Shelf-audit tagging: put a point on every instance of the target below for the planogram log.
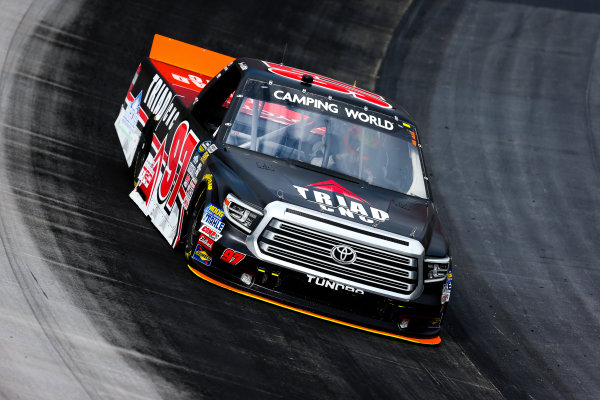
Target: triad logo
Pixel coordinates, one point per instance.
(342, 201)
(334, 187)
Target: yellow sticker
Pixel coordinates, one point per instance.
(208, 178)
(217, 211)
(204, 157)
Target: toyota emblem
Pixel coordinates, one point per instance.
(343, 254)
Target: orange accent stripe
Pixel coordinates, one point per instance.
(187, 56)
(430, 341)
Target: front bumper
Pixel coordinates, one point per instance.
(291, 290)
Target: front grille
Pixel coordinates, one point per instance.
(311, 249)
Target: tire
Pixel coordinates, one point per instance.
(143, 149)
(193, 226)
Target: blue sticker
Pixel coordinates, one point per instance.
(449, 280)
(213, 221)
(202, 256)
(211, 209)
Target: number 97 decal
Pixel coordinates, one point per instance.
(232, 257)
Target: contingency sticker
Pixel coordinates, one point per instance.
(202, 256)
(214, 211)
(206, 242)
(213, 221)
(210, 232)
(447, 288)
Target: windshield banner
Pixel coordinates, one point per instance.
(312, 102)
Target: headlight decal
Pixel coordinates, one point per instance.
(240, 214)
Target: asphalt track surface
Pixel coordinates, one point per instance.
(94, 304)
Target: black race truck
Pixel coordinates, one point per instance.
(288, 187)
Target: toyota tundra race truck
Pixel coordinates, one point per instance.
(288, 187)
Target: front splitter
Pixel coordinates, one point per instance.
(428, 341)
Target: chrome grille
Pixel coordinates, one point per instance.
(311, 250)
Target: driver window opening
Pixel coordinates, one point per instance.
(213, 102)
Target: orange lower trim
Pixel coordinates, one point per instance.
(430, 341)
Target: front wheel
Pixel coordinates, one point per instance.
(193, 227)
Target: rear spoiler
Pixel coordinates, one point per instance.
(187, 56)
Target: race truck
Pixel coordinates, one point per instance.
(288, 187)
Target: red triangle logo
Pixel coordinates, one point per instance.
(334, 187)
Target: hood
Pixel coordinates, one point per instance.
(266, 179)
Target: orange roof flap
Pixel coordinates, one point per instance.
(187, 56)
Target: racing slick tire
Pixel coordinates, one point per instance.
(193, 226)
(143, 149)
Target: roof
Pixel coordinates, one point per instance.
(209, 63)
(321, 85)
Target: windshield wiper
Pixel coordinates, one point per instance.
(322, 170)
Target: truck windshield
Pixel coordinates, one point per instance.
(287, 123)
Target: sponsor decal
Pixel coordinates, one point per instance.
(190, 79)
(206, 144)
(341, 201)
(159, 100)
(206, 242)
(196, 159)
(447, 288)
(370, 119)
(130, 123)
(232, 257)
(211, 232)
(214, 211)
(435, 322)
(208, 178)
(332, 285)
(306, 101)
(187, 180)
(182, 78)
(204, 157)
(191, 169)
(188, 194)
(264, 165)
(328, 83)
(146, 176)
(212, 221)
(185, 203)
(130, 118)
(333, 108)
(202, 256)
(212, 148)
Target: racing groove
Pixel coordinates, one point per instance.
(496, 131)
(512, 143)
